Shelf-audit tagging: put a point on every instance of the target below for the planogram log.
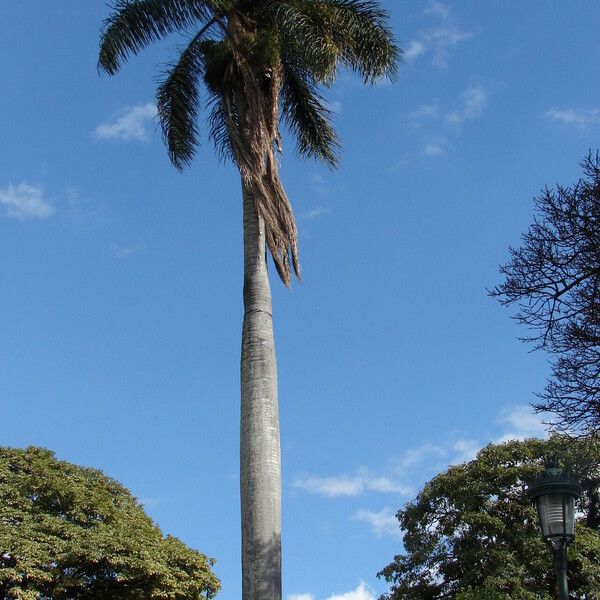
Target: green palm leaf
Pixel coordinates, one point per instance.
(361, 31)
(178, 100)
(307, 116)
(318, 35)
(134, 24)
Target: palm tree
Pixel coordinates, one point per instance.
(260, 61)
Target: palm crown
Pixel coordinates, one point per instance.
(254, 56)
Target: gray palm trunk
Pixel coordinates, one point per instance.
(260, 466)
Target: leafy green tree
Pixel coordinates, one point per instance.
(472, 533)
(69, 532)
(259, 61)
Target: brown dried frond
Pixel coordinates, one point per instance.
(252, 115)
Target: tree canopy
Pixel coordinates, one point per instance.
(471, 533)
(256, 62)
(71, 532)
(554, 280)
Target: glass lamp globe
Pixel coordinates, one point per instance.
(554, 496)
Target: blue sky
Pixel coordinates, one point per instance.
(121, 281)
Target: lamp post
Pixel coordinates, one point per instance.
(554, 495)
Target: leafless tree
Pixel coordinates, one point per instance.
(553, 279)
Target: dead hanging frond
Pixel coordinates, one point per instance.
(249, 106)
(282, 234)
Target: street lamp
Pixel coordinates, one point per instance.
(554, 495)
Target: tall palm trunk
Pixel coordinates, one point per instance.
(260, 470)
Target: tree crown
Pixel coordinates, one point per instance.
(473, 533)
(253, 57)
(70, 532)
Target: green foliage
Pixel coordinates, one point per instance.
(253, 56)
(68, 532)
(308, 38)
(267, 48)
(472, 533)
(134, 24)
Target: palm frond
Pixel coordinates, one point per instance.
(361, 29)
(134, 24)
(320, 33)
(307, 116)
(220, 121)
(304, 38)
(178, 102)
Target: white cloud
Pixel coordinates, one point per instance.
(151, 501)
(331, 486)
(344, 485)
(120, 251)
(362, 592)
(301, 597)
(474, 100)
(416, 456)
(433, 149)
(470, 106)
(438, 9)
(335, 106)
(523, 423)
(24, 202)
(465, 449)
(130, 124)
(417, 465)
(431, 111)
(383, 522)
(386, 485)
(574, 116)
(413, 49)
(516, 423)
(315, 213)
(437, 40)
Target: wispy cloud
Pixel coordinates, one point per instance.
(416, 456)
(427, 111)
(382, 523)
(121, 251)
(319, 184)
(576, 117)
(465, 449)
(522, 423)
(416, 465)
(473, 102)
(516, 423)
(433, 149)
(332, 487)
(438, 40)
(82, 211)
(130, 124)
(439, 124)
(335, 106)
(345, 485)
(25, 201)
(315, 213)
(301, 597)
(413, 49)
(151, 501)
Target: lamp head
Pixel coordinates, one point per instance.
(554, 495)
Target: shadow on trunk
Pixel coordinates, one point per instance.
(264, 558)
